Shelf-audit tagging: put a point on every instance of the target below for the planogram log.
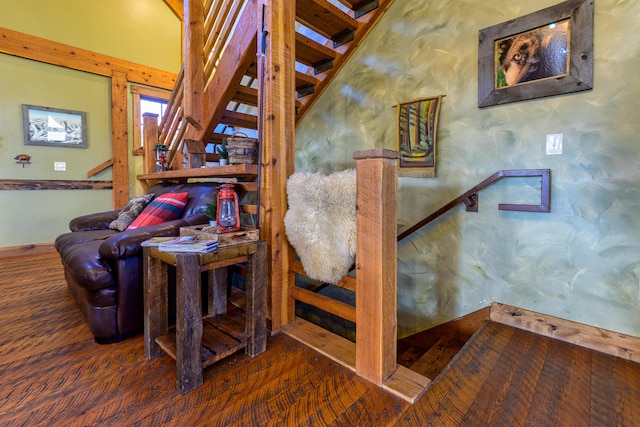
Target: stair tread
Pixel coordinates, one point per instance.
(323, 17)
(309, 51)
(246, 95)
(237, 119)
(410, 356)
(431, 363)
(303, 79)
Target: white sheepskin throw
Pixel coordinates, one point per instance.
(321, 222)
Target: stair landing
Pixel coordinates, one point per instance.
(509, 376)
(404, 383)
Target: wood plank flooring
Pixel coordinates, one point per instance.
(53, 374)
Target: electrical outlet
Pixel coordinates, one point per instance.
(554, 144)
(60, 166)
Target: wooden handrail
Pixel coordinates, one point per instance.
(470, 198)
(102, 166)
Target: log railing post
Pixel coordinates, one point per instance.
(119, 139)
(193, 103)
(276, 126)
(149, 141)
(376, 264)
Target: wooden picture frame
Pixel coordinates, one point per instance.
(545, 53)
(54, 127)
(416, 141)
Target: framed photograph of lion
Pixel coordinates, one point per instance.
(545, 53)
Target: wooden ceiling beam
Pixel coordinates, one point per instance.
(42, 50)
(177, 7)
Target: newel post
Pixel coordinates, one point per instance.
(376, 264)
(149, 141)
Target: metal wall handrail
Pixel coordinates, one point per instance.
(470, 198)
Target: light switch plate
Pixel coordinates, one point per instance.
(60, 166)
(554, 144)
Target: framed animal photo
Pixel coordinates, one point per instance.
(416, 142)
(545, 53)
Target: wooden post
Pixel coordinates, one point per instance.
(276, 71)
(156, 302)
(256, 307)
(119, 140)
(149, 141)
(376, 264)
(193, 103)
(189, 327)
(217, 294)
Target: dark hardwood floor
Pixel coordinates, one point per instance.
(53, 374)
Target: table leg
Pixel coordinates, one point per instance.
(188, 323)
(217, 291)
(256, 292)
(155, 295)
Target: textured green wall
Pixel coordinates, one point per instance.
(581, 261)
(141, 31)
(39, 216)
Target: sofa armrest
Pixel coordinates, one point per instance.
(94, 221)
(127, 243)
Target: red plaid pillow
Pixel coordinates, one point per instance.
(167, 207)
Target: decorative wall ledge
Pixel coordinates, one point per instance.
(53, 184)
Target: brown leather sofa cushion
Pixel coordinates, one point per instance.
(87, 267)
(67, 240)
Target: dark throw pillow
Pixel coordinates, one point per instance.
(130, 212)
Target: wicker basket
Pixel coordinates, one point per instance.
(242, 149)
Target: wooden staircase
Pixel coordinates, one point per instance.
(430, 351)
(435, 359)
(256, 67)
(327, 32)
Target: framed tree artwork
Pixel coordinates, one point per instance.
(416, 142)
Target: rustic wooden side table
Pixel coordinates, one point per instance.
(198, 342)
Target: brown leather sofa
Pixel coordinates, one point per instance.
(104, 268)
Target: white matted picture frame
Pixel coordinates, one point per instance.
(54, 127)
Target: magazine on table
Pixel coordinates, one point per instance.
(155, 241)
(187, 244)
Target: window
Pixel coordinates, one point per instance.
(146, 100)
